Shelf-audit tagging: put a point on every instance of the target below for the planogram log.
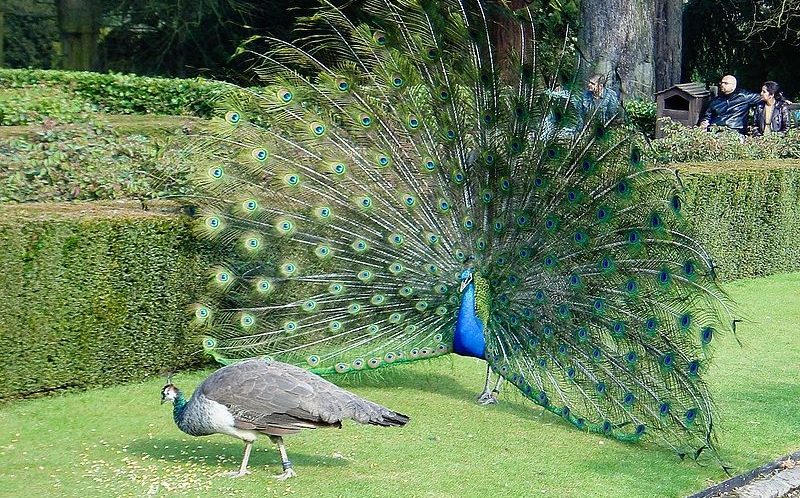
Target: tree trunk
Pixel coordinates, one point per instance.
(2, 37)
(617, 40)
(668, 43)
(79, 23)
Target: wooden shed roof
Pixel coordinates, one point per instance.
(691, 89)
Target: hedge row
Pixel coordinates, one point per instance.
(94, 295)
(748, 218)
(31, 94)
(97, 293)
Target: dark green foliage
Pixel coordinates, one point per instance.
(94, 295)
(30, 33)
(111, 93)
(153, 37)
(642, 114)
(718, 40)
(189, 38)
(749, 219)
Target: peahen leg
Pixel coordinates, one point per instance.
(245, 458)
(489, 397)
(285, 462)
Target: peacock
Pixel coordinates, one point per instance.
(257, 396)
(403, 187)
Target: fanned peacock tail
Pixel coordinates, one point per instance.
(358, 196)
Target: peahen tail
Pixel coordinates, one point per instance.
(405, 188)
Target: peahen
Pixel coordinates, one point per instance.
(402, 188)
(258, 396)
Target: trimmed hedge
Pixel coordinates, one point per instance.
(642, 113)
(32, 94)
(95, 294)
(747, 216)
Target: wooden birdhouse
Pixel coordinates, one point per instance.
(683, 103)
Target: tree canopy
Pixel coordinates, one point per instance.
(755, 40)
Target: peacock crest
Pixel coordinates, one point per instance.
(399, 188)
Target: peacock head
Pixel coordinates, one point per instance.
(466, 278)
(169, 393)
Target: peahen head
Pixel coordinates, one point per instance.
(170, 393)
(174, 395)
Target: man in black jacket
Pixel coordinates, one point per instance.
(730, 107)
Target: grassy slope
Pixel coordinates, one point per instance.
(120, 442)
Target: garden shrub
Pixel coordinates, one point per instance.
(35, 104)
(110, 93)
(90, 161)
(642, 114)
(748, 218)
(686, 144)
(95, 294)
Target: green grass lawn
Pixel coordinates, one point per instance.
(120, 442)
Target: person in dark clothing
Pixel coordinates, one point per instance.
(730, 107)
(772, 114)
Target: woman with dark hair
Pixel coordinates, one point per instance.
(772, 114)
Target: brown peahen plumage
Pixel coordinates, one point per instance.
(403, 189)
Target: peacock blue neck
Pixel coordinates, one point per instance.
(468, 339)
(178, 405)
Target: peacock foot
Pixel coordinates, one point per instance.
(237, 473)
(286, 474)
(487, 398)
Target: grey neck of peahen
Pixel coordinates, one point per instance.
(469, 338)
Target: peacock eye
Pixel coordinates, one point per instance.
(259, 154)
(232, 117)
(284, 95)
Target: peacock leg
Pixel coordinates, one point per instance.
(245, 458)
(285, 462)
(489, 397)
